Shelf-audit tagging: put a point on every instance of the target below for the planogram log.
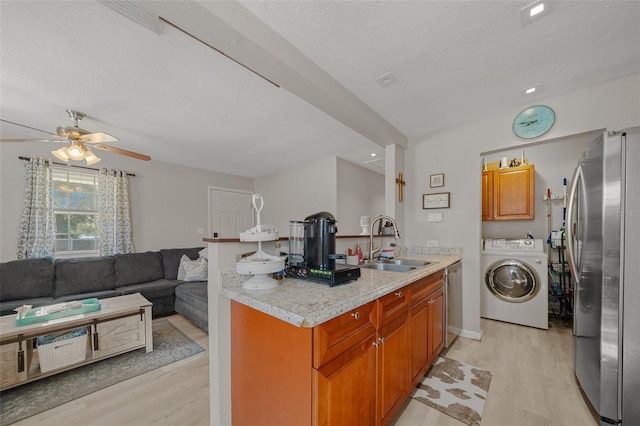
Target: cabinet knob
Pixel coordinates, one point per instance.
(376, 344)
(399, 294)
(381, 339)
(356, 315)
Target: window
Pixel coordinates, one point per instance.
(75, 203)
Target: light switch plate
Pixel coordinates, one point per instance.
(432, 243)
(434, 217)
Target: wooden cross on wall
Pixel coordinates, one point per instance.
(401, 183)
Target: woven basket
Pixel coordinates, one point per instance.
(61, 353)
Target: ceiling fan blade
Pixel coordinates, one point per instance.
(33, 140)
(98, 138)
(122, 152)
(27, 127)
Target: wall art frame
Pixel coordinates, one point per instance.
(439, 200)
(436, 180)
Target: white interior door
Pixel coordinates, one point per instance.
(230, 212)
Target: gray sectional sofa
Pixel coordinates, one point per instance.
(153, 274)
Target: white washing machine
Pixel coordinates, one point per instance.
(515, 282)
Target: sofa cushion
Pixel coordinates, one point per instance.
(194, 294)
(136, 268)
(171, 259)
(152, 289)
(26, 278)
(84, 275)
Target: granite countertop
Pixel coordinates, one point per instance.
(307, 304)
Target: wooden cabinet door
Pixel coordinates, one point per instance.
(436, 324)
(393, 379)
(345, 388)
(118, 335)
(419, 340)
(487, 195)
(513, 193)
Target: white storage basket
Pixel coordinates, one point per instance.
(62, 352)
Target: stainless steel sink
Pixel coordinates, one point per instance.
(408, 262)
(396, 265)
(384, 266)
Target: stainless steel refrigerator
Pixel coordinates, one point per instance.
(603, 239)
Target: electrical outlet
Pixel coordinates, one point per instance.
(432, 243)
(434, 217)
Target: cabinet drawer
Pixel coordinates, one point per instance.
(336, 336)
(423, 287)
(392, 305)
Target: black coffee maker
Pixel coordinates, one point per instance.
(320, 241)
(319, 254)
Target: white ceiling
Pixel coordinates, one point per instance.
(172, 97)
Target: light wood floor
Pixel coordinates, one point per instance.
(177, 394)
(532, 379)
(532, 384)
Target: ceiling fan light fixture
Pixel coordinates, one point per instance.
(61, 154)
(91, 158)
(75, 151)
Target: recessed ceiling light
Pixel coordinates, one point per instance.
(531, 90)
(386, 79)
(535, 11)
(373, 154)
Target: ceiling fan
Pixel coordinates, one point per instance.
(79, 141)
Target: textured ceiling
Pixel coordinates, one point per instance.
(180, 101)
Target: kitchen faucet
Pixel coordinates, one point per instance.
(396, 235)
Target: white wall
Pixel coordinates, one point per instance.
(168, 202)
(297, 192)
(456, 153)
(360, 193)
(344, 189)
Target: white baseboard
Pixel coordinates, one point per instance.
(475, 335)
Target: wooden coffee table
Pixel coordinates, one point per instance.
(123, 324)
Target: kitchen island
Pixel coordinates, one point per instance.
(307, 353)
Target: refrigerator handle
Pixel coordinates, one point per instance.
(573, 267)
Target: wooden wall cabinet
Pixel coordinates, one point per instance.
(357, 368)
(508, 194)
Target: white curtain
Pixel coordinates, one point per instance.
(115, 217)
(37, 232)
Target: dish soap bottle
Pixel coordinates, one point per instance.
(359, 254)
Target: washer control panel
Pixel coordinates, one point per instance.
(504, 244)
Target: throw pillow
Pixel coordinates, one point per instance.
(204, 253)
(193, 270)
(181, 271)
(196, 270)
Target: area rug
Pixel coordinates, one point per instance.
(458, 390)
(169, 345)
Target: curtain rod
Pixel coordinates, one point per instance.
(71, 165)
